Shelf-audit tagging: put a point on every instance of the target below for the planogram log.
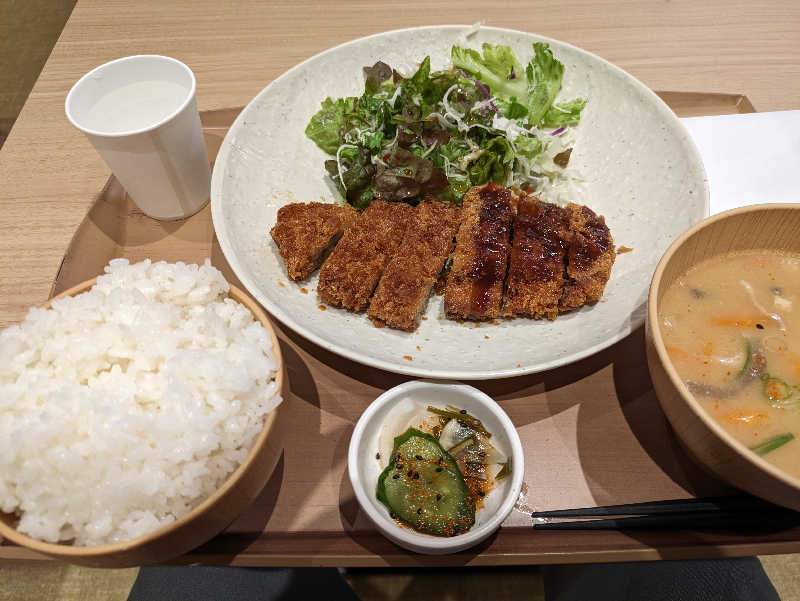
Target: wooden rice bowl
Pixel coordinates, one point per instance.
(206, 520)
(771, 227)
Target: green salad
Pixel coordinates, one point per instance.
(488, 118)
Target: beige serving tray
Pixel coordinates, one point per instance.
(593, 432)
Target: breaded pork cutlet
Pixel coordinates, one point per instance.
(402, 294)
(589, 258)
(352, 270)
(536, 268)
(304, 233)
(474, 287)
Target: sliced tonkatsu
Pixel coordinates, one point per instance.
(305, 232)
(589, 258)
(535, 279)
(514, 256)
(352, 270)
(474, 287)
(403, 291)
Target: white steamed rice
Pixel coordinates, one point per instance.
(124, 407)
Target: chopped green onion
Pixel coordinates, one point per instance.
(772, 443)
(747, 360)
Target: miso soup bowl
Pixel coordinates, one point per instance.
(770, 227)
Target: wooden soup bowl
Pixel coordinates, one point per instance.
(771, 227)
(206, 520)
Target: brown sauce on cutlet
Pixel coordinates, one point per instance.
(591, 242)
(541, 226)
(489, 265)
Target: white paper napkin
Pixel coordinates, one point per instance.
(751, 158)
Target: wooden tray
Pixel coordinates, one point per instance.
(593, 431)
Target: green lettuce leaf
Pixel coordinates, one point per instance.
(498, 68)
(453, 151)
(544, 75)
(493, 164)
(358, 174)
(528, 147)
(564, 113)
(423, 90)
(440, 82)
(516, 110)
(373, 141)
(522, 93)
(373, 113)
(325, 126)
(420, 82)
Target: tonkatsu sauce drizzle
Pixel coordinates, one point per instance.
(590, 244)
(540, 229)
(491, 244)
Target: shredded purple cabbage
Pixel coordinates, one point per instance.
(483, 88)
(558, 131)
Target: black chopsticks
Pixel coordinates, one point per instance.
(705, 513)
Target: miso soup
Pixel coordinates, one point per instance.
(731, 327)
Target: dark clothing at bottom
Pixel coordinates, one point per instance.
(739, 579)
(734, 579)
(196, 583)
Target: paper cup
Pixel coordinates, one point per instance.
(140, 114)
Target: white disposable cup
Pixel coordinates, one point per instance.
(140, 114)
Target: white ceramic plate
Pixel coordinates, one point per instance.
(642, 170)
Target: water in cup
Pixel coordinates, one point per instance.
(135, 106)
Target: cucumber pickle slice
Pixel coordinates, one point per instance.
(423, 486)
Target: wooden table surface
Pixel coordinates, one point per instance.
(50, 174)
